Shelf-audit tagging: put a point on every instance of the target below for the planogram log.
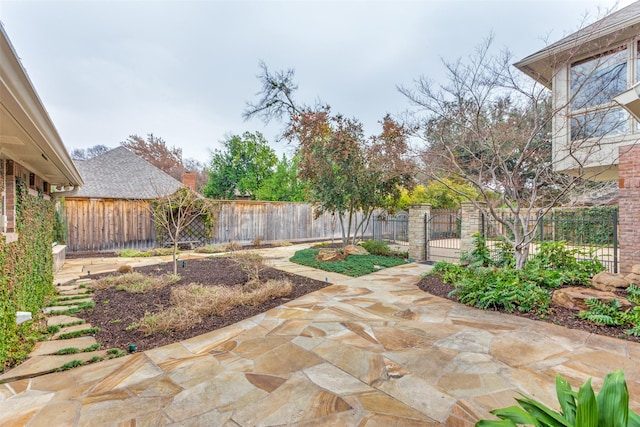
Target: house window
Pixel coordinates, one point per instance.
(593, 84)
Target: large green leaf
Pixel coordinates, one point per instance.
(566, 398)
(515, 414)
(492, 423)
(613, 401)
(587, 410)
(546, 415)
(634, 419)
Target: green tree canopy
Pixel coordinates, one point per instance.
(283, 185)
(440, 195)
(243, 165)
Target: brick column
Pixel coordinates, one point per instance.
(629, 204)
(417, 215)
(189, 179)
(471, 223)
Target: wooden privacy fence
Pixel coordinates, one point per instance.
(107, 224)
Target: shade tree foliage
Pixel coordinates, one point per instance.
(284, 185)
(346, 172)
(241, 167)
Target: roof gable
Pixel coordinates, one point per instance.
(120, 174)
(605, 33)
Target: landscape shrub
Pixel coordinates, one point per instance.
(581, 408)
(376, 247)
(494, 283)
(251, 263)
(612, 314)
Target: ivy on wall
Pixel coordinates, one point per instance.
(27, 269)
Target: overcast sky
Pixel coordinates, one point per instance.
(185, 69)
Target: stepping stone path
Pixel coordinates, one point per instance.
(43, 359)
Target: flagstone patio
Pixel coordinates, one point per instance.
(370, 351)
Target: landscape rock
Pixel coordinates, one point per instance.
(635, 268)
(633, 279)
(606, 281)
(574, 298)
(355, 250)
(329, 255)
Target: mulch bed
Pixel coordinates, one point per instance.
(557, 315)
(115, 310)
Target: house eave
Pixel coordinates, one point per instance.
(604, 34)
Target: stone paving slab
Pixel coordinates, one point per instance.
(368, 351)
(73, 302)
(74, 292)
(62, 319)
(40, 365)
(51, 309)
(68, 329)
(49, 347)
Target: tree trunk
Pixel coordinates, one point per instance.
(175, 256)
(521, 253)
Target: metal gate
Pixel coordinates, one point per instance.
(442, 235)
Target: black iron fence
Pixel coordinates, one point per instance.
(393, 229)
(592, 230)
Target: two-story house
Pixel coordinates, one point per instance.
(592, 74)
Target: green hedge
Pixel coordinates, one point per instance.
(27, 271)
(584, 226)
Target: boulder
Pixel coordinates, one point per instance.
(633, 279)
(329, 255)
(355, 250)
(635, 268)
(606, 281)
(574, 298)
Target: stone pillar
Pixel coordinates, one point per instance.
(471, 223)
(417, 214)
(629, 205)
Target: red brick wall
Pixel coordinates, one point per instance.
(629, 183)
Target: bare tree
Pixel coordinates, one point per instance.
(174, 213)
(155, 151)
(491, 127)
(88, 153)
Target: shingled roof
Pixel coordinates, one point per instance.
(120, 174)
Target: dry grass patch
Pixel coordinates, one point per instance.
(206, 300)
(176, 318)
(135, 282)
(190, 303)
(266, 291)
